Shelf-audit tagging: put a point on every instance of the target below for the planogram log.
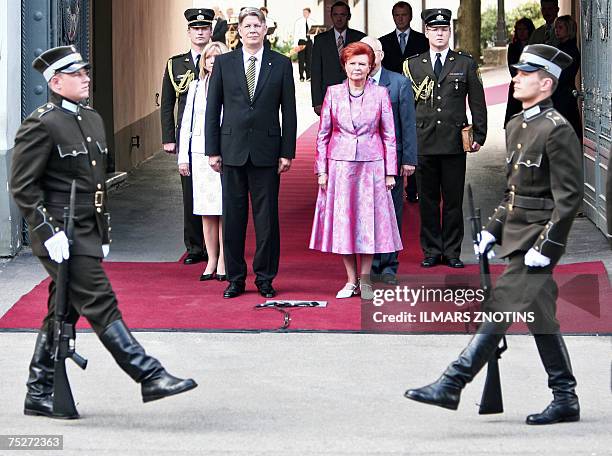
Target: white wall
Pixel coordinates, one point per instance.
(10, 72)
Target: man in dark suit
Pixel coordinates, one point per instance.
(384, 265)
(325, 69)
(442, 79)
(251, 148)
(398, 45)
(179, 72)
(220, 27)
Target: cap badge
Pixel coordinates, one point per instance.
(439, 17)
(200, 17)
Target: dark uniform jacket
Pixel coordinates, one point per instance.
(251, 129)
(53, 146)
(545, 184)
(325, 68)
(440, 104)
(183, 72)
(394, 58)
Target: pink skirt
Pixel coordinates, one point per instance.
(355, 214)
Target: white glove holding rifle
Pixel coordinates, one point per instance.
(58, 247)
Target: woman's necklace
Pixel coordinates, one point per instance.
(358, 95)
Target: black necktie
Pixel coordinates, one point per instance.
(438, 65)
(197, 66)
(306, 29)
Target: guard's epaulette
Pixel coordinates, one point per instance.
(86, 107)
(44, 109)
(412, 57)
(177, 56)
(517, 114)
(555, 117)
(465, 54)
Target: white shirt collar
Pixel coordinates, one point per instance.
(246, 56)
(376, 77)
(433, 53)
(407, 32)
(337, 34)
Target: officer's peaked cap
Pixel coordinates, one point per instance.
(199, 17)
(543, 57)
(436, 17)
(61, 59)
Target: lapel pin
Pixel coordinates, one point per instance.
(451, 58)
(424, 60)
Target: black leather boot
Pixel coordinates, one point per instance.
(446, 391)
(155, 382)
(39, 398)
(564, 406)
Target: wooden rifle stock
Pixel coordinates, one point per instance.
(492, 399)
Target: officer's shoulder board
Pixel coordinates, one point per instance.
(555, 117)
(89, 108)
(42, 110)
(465, 54)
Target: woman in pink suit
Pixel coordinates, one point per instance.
(356, 160)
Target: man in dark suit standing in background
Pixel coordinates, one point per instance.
(443, 79)
(250, 148)
(325, 67)
(385, 265)
(179, 72)
(398, 45)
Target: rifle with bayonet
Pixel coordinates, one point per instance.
(492, 399)
(63, 330)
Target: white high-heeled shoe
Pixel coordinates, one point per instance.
(349, 290)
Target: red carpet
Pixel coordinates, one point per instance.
(169, 295)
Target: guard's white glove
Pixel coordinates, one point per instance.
(58, 247)
(105, 249)
(535, 259)
(485, 238)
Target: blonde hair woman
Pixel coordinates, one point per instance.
(191, 160)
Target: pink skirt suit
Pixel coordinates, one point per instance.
(356, 148)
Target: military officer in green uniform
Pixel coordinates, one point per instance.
(531, 224)
(179, 72)
(441, 80)
(63, 141)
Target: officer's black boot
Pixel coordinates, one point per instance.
(155, 382)
(39, 398)
(446, 391)
(565, 406)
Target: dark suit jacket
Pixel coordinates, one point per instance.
(442, 115)
(182, 65)
(404, 117)
(417, 44)
(251, 129)
(219, 31)
(325, 69)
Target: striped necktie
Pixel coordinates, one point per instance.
(340, 43)
(250, 76)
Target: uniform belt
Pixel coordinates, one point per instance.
(82, 199)
(530, 202)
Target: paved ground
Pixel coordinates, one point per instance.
(301, 393)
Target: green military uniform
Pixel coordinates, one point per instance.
(532, 223)
(440, 117)
(544, 192)
(59, 142)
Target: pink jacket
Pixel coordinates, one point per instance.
(337, 138)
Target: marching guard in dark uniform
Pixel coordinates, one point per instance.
(63, 141)
(179, 72)
(441, 80)
(532, 224)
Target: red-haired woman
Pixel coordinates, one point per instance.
(356, 161)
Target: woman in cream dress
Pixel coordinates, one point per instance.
(206, 182)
